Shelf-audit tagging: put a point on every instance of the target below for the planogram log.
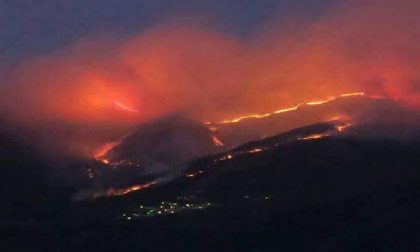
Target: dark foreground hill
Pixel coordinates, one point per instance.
(337, 193)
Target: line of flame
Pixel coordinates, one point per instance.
(127, 190)
(283, 110)
(125, 107)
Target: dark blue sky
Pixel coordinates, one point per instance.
(31, 27)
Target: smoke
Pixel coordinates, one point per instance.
(366, 46)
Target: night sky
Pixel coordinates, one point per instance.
(37, 27)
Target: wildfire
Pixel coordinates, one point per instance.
(193, 174)
(216, 141)
(341, 128)
(284, 110)
(101, 152)
(127, 190)
(256, 150)
(112, 191)
(259, 116)
(353, 94)
(125, 107)
(227, 157)
(314, 136)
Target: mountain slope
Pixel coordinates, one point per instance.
(333, 193)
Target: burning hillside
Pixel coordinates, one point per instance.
(248, 88)
(284, 110)
(243, 128)
(161, 150)
(125, 114)
(137, 125)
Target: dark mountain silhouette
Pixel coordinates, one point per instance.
(339, 192)
(354, 190)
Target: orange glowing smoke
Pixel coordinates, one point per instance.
(211, 75)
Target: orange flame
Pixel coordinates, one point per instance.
(284, 110)
(256, 150)
(193, 174)
(314, 136)
(101, 152)
(341, 128)
(124, 191)
(125, 107)
(216, 141)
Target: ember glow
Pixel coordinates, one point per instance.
(256, 150)
(284, 110)
(127, 190)
(101, 152)
(193, 174)
(227, 157)
(112, 192)
(342, 128)
(314, 136)
(217, 142)
(124, 107)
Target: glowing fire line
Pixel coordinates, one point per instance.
(101, 153)
(104, 149)
(112, 192)
(125, 107)
(124, 191)
(314, 136)
(283, 110)
(217, 142)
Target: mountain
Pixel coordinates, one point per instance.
(155, 151)
(333, 189)
(338, 184)
(162, 148)
(170, 141)
(28, 196)
(334, 192)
